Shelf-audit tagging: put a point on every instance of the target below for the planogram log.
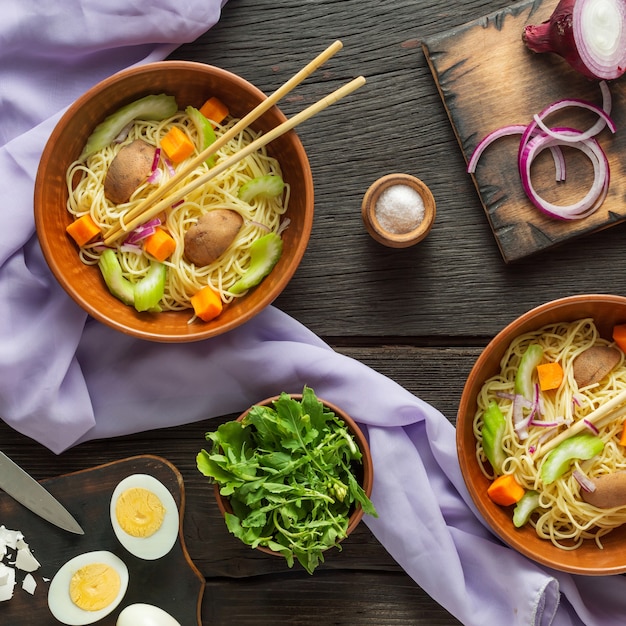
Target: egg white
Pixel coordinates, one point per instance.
(145, 615)
(162, 541)
(59, 601)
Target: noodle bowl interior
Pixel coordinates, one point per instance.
(261, 215)
(558, 457)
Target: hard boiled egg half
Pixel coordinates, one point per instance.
(145, 615)
(87, 588)
(144, 516)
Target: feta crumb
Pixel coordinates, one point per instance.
(29, 584)
(6, 589)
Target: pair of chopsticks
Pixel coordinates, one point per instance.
(609, 411)
(158, 201)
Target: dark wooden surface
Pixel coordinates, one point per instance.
(420, 316)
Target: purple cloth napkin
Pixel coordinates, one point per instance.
(66, 379)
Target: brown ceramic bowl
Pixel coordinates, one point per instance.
(192, 83)
(606, 310)
(376, 227)
(366, 480)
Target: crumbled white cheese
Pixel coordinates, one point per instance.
(15, 555)
(6, 589)
(25, 560)
(29, 584)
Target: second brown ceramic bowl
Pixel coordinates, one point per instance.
(191, 83)
(606, 311)
(365, 476)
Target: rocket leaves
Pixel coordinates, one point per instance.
(288, 471)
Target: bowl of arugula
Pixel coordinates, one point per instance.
(292, 476)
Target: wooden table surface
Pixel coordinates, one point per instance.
(420, 315)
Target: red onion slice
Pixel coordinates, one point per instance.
(537, 136)
(603, 120)
(584, 481)
(594, 197)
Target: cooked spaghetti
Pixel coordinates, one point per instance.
(85, 182)
(562, 516)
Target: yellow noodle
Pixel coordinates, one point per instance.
(563, 517)
(85, 184)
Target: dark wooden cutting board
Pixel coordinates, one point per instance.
(487, 79)
(173, 583)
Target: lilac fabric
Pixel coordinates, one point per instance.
(65, 378)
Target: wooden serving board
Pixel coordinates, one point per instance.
(173, 583)
(487, 78)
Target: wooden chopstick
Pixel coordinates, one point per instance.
(221, 141)
(263, 140)
(611, 409)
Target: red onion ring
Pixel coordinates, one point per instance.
(537, 136)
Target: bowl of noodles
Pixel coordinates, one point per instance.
(541, 434)
(213, 256)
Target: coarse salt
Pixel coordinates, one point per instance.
(399, 209)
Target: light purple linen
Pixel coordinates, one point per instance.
(65, 379)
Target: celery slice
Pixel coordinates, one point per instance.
(493, 430)
(558, 461)
(266, 186)
(264, 254)
(152, 107)
(205, 130)
(111, 270)
(149, 290)
(528, 363)
(524, 508)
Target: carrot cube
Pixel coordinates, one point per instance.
(550, 375)
(160, 244)
(83, 230)
(214, 110)
(177, 145)
(207, 303)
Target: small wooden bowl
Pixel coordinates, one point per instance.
(588, 559)
(365, 476)
(373, 224)
(191, 83)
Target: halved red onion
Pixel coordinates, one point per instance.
(589, 34)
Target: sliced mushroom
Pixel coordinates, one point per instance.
(592, 365)
(211, 236)
(610, 491)
(130, 167)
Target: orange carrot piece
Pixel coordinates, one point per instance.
(214, 110)
(505, 490)
(550, 375)
(207, 303)
(160, 244)
(177, 145)
(83, 229)
(619, 336)
(622, 439)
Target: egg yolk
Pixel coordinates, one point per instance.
(94, 586)
(139, 512)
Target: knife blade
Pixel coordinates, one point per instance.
(27, 491)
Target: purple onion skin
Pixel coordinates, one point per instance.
(557, 35)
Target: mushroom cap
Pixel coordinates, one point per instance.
(211, 236)
(130, 167)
